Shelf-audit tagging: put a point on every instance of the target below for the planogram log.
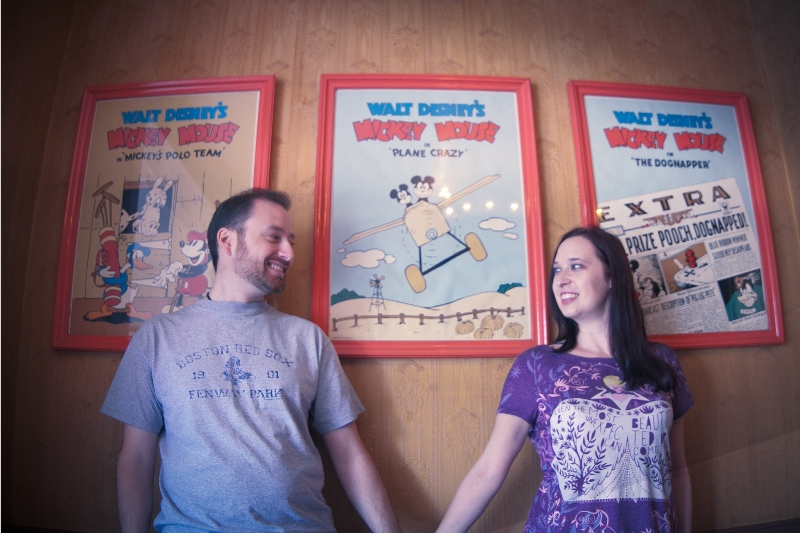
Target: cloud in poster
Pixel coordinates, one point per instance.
(367, 258)
(496, 224)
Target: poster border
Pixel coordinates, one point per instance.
(578, 89)
(320, 307)
(62, 339)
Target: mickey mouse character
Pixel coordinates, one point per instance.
(192, 280)
(423, 187)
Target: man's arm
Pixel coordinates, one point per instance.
(681, 483)
(135, 470)
(360, 478)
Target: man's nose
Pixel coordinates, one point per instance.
(286, 250)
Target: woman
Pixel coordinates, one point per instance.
(602, 406)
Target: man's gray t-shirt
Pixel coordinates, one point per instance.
(231, 389)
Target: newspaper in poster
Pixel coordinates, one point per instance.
(694, 256)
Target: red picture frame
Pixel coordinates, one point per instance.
(675, 174)
(151, 162)
(385, 283)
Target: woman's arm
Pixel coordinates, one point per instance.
(681, 484)
(487, 475)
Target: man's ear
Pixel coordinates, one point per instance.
(226, 241)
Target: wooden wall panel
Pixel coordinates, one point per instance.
(427, 420)
(31, 69)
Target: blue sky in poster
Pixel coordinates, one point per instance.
(626, 171)
(366, 170)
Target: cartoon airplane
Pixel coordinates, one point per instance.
(426, 222)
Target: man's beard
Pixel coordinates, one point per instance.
(255, 272)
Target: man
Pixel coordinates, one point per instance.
(227, 389)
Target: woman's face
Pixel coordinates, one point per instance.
(580, 282)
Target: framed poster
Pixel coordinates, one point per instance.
(428, 228)
(674, 173)
(151, 163)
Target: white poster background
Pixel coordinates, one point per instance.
(365, 171)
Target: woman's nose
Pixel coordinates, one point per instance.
(561, 279)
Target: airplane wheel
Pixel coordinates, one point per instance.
(415, 278)
(476, 248)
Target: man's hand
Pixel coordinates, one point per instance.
(360, 478)
(135, 470)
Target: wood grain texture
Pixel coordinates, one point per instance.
(427, 420)
(30, 68)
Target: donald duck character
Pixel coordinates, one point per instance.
(118, 294)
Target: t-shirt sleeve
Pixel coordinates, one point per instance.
(131, 398)
(519, 396)
(336, 403)
(682, 399)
